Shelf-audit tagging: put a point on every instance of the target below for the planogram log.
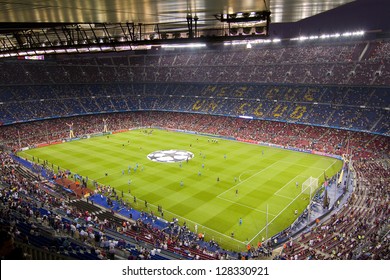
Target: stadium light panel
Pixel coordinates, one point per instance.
(123, 48)
(141, 47)
(328, 36)
(246, 117)
(193, 45)
(106, 48)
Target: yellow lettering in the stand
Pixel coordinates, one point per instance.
(298, 112)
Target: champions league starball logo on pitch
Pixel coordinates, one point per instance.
(170, 156)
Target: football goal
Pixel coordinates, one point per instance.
(309, 186)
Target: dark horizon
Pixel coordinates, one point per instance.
(364, 15)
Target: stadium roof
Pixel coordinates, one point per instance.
(154, 11)
(30, 25)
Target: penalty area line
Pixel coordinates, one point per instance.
(293, 179)
(250, 241)
(257, 173)
(246, 206)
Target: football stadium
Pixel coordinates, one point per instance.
(185, 130)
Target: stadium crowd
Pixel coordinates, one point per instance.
(368, 207)
(338, 84)
(342, 62)
(332, 141)
(359, 228)
(356, 108)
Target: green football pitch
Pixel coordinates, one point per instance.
(226, 187)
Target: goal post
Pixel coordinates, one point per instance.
(310, 186)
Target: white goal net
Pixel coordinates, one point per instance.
(309, 186)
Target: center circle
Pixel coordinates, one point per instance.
(170, 156)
